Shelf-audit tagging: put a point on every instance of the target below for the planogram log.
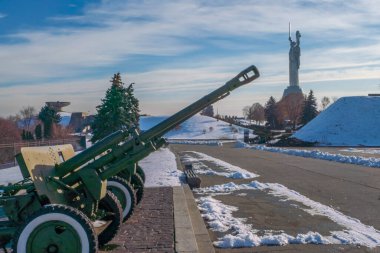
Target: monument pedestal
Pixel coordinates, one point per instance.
(291, 89)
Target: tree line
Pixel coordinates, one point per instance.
(118, 110)
(294, 109)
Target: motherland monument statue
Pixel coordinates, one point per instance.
(294, 65)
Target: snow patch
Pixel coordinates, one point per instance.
(10, 175)
(197, 127)
(200, 142)
(357, 160)
(223, 188)
(232, 171)
(160, 169)
(219, 218)
(356, 232)
(363, 151)
(350, 121)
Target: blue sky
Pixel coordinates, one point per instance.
(177, 51)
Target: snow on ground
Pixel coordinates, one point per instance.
(350, 121)
(364, 151)
(220, 218)
(197, 127)
(10, 175)
(355, 233)
(358, 160)
(147, 122)
(160, 169)
(200, 142)
(201, 168)
(230, 171)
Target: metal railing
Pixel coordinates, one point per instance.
(9, 150)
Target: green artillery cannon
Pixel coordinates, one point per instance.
(71, 203)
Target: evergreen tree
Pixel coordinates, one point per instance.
(48, 116)
(38, 132)
(118, 110)
(23, 135)
(29, 136)
(270, 112)
(310, 108)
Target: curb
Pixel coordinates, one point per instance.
(185, 241)
(200, 231)
(191, 235)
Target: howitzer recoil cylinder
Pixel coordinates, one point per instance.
(118, 151)
(91, 152)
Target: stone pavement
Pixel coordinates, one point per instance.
(151, 227)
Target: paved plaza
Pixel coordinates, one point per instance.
(151, 227)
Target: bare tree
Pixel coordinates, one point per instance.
(60, 132)
(258, 113)
(325, 101)
(290, 108)
(14, 118)
(247, 112)
(27, 114)
(8, 131)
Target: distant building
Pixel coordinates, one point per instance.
(80, 121)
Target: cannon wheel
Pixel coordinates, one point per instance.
(112, 206)
(141, 173)
(138, 185)
(56, 228)
(125, 193)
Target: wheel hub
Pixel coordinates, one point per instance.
(52, 248)
(54, 237)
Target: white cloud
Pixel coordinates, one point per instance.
(339, 41)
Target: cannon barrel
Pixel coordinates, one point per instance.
(242, 78)
(246, 76)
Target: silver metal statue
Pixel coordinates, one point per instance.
(294, 59)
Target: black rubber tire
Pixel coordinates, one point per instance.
(111, 205)
(49, 213)
(130, 194)
(138, 185)
(141, 173)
